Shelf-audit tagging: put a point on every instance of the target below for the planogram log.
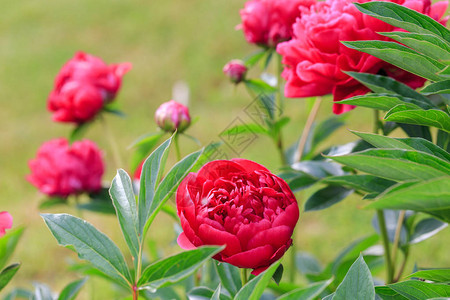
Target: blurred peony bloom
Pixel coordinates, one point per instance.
(315, 57)
(235, 70)
(240, 204)
(83, 86)
(269, 22)
(171, 116)
(6, 222)
(60, 169)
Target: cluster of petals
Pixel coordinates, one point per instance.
(315, 58)
(268, 22)
(60, 169)
(240, 204)
(83, 86)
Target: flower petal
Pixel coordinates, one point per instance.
(254, 258)
(211, 236)
(184, 242)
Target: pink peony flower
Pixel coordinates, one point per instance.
(240, 204)
(268, 22)
(83, 86)
(60, 169)
(171, 116)
(235, 70)
(6, 222)
(315, 57)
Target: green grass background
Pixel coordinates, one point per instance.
(166, 41)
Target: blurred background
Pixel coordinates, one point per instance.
(166, 41)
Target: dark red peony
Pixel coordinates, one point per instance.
(83, 86)
(6, 222)
(60, 169)
(240, 204)
(268, 22)
(315, 57)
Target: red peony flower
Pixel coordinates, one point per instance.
(240, 204)
(83, 86)
(6, 222)
(235, 70)
(268, 22)
(315, 57)
(60, 169)
(171, 116)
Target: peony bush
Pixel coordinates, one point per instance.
(235, 219)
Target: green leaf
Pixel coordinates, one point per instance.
(19, 293)
(357, 284)
(254, 289)
(52, 201)
(216, 295)
(170, 183)
(204, 293)
(322, 131)
(386, 85)
(400, 56)
(419, 290)
(71, 290)
(310, 292)
(79, 131)
(381, 141)
(259, 86)
(400, 16)
(8, 244)
(396, 164)
(441, 87)
(144, 146)
(151, 174)
(7, 274)
(326, 197)
(298, 180)
(432, 117)
(172, 269)
(425, 229)
(366, 183)
(244, 129)
(436, 275)
(382, 101)
(90, 244)
(386, 293)
(416, 130)
(278, 274)
(42, 291)
(253, 58)
(307, 263)
(430, 196)
(124, 202)
(427, 44)
(229, 277)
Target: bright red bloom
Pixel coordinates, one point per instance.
(6, 222)
(240, 204)
(60, 169)
(268, 22)
(171, 116)
(315, 57)
(83, 86)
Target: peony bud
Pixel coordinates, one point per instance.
(171, 116)
(235, 70)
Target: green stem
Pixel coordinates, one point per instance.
(279, 85)
(385, 239)
(293, 269)
(135, 293)
(398, 230)
(403, 265)
(112, 143)
(244, 276)
(177, 146)
(376, 121)
(306, 131)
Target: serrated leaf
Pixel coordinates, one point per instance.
(7, 274)
(229, 277)
(90, 244)
(403, 17)
(254, 289)
(326, 197)
(425, 229)
(124, 202)
(151, 174)
(432, 117)
(440, 87)
(366, 183)
(71, 290)
(310, 292)
(430, 196)
(357, 284)
(400, 56)
(419, 290)
(436, 275)
(8, 244)
(175, 268)
(396, 164)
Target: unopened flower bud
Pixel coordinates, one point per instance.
(235, 70)
(171, 116)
